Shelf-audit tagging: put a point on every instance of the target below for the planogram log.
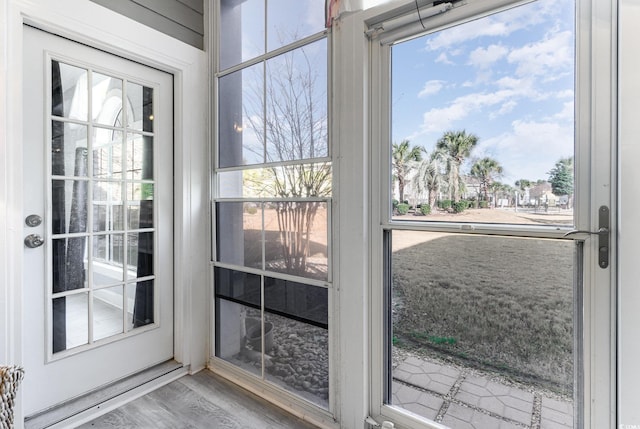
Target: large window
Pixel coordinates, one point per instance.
(481, 286)
(272, 196)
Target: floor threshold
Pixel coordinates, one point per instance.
(94, 404)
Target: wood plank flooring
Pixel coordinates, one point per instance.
(203, 400)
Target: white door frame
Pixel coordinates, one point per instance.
(88, 23)
(629, 207)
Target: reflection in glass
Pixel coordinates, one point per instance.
(73, 309)
(69, 91)
(239, 239)
(140, 114)
(296, 238)
(241, 121)
(296, 104)
(140, 253)
(104, 272)
(143, 303)
(107, 312)
(69, 149)
(106, 93)
(282, 30)
(140, 205)
(139, 157)
(500, 305)
(300, 180)
(109, 248)
(241, 31)
(107, 154)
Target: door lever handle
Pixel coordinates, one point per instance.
(603, 236)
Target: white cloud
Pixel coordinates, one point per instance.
(444, 59)
(485, 57)
(551, 55)
(567, 112)
(567, 93)
(431, 87)
(507, 107)
(530, 149)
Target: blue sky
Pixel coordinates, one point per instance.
(508, 78)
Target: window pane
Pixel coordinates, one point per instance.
(485, 319)
(296, 104)
(292, 20)
(140, 105)
(71, 320)
(140, 254)
(238, 319)
(107, 153)
(483, 121)
(239, 234)
(69, 91)
(69, 149)
(106, 95)
(107, 312)
(296, 238)
(241, 118)
(139, 157)
(299, 358)
(241, 31)
(308, 304)
(292, 181)
(141, 295)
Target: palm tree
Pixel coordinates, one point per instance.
(429, 177)
(402, 158)
(457, 145)
(486, 170)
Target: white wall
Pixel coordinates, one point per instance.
(94, 25)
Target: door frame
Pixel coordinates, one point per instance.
(88, 23)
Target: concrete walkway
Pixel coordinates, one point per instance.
(460, 399)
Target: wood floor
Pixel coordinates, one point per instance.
(203, 400)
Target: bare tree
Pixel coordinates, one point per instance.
(292, 127)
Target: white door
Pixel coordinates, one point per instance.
(98, 209)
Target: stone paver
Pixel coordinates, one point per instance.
(505, 401)
(459, 417)
(416, 401)
(556, 414)
(427, 375)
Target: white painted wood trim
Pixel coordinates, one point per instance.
(93, 25)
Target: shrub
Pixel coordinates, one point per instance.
(403, 208)
(460, 206)
(251, 209)
(444, 204)
(484, 204)
(425, 209)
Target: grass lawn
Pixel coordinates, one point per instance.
(504, 305)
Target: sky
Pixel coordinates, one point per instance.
(507, 78)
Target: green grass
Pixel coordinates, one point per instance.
(500, 304)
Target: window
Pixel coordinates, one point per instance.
(480, 288)
(272, 196)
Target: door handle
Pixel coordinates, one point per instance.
(33, 240)
(603, 236)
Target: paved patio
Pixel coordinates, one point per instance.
(461, 399)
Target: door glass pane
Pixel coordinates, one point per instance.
(140, 107)
(106, 92)
(106, 178)
(107, 312)
(483, 120)
(69, 149)
(69, 91)
(482, 328)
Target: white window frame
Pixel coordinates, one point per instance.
(595, 170)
